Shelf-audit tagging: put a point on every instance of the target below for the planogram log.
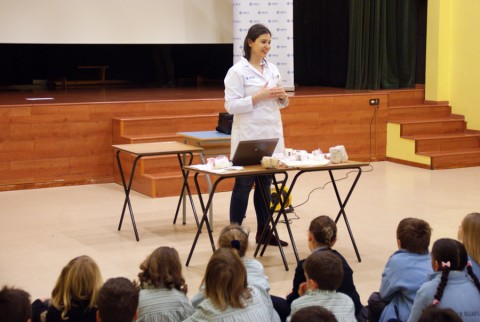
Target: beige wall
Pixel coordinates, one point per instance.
(453, 56)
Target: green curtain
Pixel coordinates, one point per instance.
(382, 44)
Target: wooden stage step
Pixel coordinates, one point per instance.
(447, 142)
(454, 159)
(160, 176)
(438, 134)
(418, 112)
(432, 126)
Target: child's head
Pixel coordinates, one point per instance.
(15, 305)
(234, 236)
(80, 280)
(435, 314)
(117, 301)
(414, 235)
(313, 313)
(469, 234)
(449, 255)
(226, 279)
(322, 232)
(325, 269)
(162, 268)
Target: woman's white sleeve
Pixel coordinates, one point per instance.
(235, 99)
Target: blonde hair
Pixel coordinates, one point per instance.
(162, 268)
(80, 280)
(234, 236)
(226, 280)
(471, 235)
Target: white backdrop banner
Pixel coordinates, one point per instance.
(276, 15)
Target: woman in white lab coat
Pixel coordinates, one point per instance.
(254, 95)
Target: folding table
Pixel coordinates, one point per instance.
(213, 143)
(253, 170)
(140, 150)
(348, 165)
(274, 218)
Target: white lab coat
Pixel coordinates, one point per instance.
(259, 121)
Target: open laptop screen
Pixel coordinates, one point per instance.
(252, 151)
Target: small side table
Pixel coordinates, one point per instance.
(140, 150)
(212, 143)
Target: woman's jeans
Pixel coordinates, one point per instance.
(239, 201)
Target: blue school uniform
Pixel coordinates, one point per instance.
(404, 274)
(460, 294)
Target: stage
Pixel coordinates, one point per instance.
(64, 137)
(109, 94)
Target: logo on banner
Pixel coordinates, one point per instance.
(277, 16)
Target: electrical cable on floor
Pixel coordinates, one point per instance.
(346, 176)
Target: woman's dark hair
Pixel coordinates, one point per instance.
(253, 33)
(451, 255)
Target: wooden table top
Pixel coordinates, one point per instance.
(157, 148)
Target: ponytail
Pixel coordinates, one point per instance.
(443, 283)
(472, 275)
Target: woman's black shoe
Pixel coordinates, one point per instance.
(273, 241)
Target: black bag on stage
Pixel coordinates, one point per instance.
(225, 122)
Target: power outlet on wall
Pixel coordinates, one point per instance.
(374, 101)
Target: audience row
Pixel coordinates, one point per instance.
(416, 285)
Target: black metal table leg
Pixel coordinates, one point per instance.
(204, 219)
(343, 204)
(273, 232)
(185, 186)
(127, 189)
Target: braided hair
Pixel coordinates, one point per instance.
(452, 256)
(473, 276)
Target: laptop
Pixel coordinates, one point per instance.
(252, 151)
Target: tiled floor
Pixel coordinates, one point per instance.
(40, 230)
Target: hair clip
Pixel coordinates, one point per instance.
(446, 264)
(235, 244)
(328, 234)
(469, 264)
(435, 302)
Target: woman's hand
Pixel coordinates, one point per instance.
(266, 92)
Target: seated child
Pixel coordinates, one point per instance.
(15, 305)
(313, 313)
(406, 270)
(163, 294)
(469, 234)
(322, 235)
(236, 237)
(117, 301)
(449, 286)
(75, 294)
(324, 274)
(227, 295)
